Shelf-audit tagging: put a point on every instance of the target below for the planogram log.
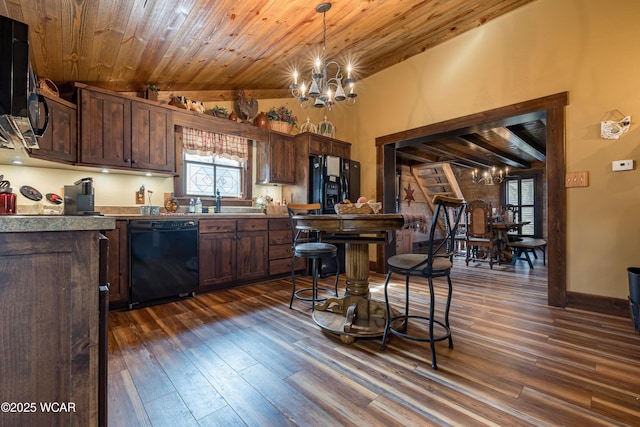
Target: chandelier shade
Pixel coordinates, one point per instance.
(325, 89)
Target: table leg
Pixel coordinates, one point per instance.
(354, 314)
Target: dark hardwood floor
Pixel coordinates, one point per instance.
(242, 357)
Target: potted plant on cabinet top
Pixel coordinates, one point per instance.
(152, 92)
(281, 119)
(220, 112)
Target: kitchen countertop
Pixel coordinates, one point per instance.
(38, 223)
(198, 216)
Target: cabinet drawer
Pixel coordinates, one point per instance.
(279, 224)
(252, 225)
(281, 266)
(280, 237)
(280, 251)
(217, 226)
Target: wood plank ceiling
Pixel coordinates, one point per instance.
(212, 48)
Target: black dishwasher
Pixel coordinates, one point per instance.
(164, 260)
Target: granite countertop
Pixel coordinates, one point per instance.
(38, 223)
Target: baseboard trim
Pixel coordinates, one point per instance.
(599, 304)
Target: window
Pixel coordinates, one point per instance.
(205, 175)
(210, 162)
(523, 193)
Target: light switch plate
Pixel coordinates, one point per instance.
(622, 165)
(576, 179)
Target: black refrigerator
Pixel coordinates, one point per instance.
(333, 179)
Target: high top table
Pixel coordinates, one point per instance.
(354, 314)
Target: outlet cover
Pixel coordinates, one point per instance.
(576, 179)
(139, 198)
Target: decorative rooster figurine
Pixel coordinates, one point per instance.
(246, 108)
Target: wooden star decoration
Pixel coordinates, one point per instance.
(409, 195)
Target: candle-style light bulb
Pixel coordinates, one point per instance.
(349, 70)
(295, 77)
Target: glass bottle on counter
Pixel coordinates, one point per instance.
(192, 206)
(198, 205)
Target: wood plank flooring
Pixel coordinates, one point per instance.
(242, 357)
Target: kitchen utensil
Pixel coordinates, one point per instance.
(30, 193)
(54, 198)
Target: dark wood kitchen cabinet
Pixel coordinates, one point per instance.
(275, 160)
(318, 144)
(60, 141)
(280, 250)
(49, 327)
(118, 265)
(232, 251)
(121, 132)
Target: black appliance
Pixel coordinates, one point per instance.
(78, 198)
(163, 260)
(333, 179)
(19, 101)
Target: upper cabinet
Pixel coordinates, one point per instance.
(319, 144)
(122, 132)
(59, 142)
(275, 160)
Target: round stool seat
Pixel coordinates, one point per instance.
(315, 250)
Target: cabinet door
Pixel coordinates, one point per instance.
(282, 158)
(319, 145)
(49, 325)
(118, 265)
(60, 141)
(105, 129)
(275, 160)
(341, 149)
(252, 255)
(152, 145)
(217, 259)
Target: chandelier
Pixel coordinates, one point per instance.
(490, 176)
(323, 90)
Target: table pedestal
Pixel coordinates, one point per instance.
(354, 314)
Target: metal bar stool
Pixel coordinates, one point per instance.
(436, 263)
(307, 244)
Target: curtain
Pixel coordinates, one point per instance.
(203, 143)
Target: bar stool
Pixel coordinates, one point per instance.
(436, 263)
(307, 244)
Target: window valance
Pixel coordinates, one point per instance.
(203, 143)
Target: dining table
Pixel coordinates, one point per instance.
(354, 314)
(501, 231)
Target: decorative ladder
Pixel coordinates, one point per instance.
(436, 178)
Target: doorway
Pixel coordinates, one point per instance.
(554, 108)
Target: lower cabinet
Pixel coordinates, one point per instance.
(232, 251)
(49, 328)
(280, 252)
(118, 265)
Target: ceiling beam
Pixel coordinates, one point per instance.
(479, 144)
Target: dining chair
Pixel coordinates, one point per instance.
(437, 262)
(481, 242)
(307, 244)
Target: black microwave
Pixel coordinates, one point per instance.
(19, 100)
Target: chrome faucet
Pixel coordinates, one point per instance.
(218, 201)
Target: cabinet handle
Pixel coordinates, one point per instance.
(133, 161)
(127, 160)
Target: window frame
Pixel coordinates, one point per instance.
(538, 208)
(179, 184)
